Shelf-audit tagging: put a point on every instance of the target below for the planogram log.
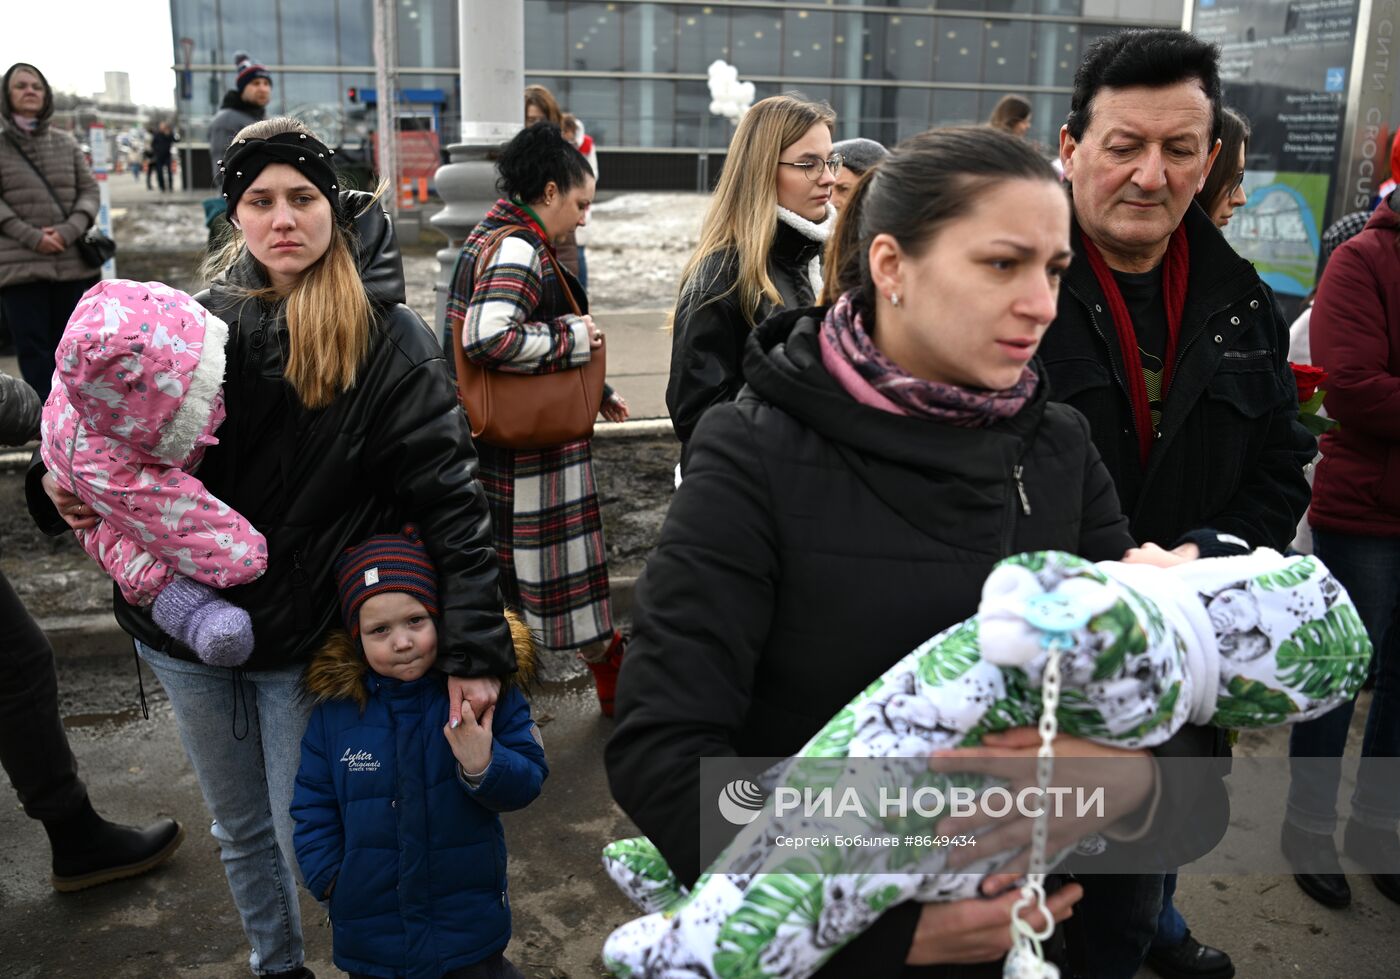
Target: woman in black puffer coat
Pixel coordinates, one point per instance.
(342, 422)
(886, 453)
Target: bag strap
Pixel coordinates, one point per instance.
(490, 245)
(489, 248)
(559, 277)
(40, 174)
(493, 244)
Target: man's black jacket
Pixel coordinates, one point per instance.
(1229, 454)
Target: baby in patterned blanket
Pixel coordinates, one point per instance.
(1251, 641)
(137, 397)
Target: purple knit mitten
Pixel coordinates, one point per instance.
(220, 634)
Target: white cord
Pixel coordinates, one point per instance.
(1027, 957)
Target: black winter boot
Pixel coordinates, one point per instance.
(1190, 960)
(1324, 881)
(1375, 848)
(88, 850)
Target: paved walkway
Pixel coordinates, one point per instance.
(639, 358)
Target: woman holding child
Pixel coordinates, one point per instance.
(887, 451)
(342, 422)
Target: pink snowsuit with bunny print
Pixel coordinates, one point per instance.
(137, 396)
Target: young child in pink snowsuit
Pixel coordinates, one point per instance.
(137, 396)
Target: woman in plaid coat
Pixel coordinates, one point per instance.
(548, 527)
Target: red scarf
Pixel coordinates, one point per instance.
(1174, 278)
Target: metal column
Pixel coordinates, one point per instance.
(491, 55)
(386, 75)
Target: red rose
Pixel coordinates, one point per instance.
(1307, 378)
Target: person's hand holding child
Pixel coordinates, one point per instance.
(471, 742)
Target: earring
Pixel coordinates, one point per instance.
(894, 300)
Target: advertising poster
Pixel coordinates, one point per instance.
(1285, 66)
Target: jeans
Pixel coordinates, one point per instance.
(33, 746)
(242, 732)
(163, 175)
(583, 267)
(37, 313)
(1171, 926)
(1113, 924)
(1369, 569)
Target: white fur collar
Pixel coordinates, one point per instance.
(809, 229)
(815, 232)
(178, 439)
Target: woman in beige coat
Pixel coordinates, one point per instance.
(42, 274)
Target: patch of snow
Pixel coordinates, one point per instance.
(637, 246)
(159, 226)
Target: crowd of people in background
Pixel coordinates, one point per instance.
(890, 368)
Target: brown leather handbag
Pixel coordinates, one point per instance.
(528, 411)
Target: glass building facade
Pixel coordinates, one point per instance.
(635, 71)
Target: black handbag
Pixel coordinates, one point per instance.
(94, 247)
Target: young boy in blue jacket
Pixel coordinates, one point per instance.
(395, 811)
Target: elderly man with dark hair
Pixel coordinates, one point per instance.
(857, 156)
(1175, 351)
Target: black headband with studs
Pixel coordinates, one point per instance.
(246, 158)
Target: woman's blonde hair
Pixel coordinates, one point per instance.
(742, 217)
(328, 310)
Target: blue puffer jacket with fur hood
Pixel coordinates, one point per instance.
(417, 857)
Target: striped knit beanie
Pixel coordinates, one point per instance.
(385, 563)
(247, 69)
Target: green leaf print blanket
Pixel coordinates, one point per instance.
(1241, 642)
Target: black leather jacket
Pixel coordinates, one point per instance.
(19, 411)
(707, 347)
(395, 448)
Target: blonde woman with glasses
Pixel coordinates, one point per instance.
(760, 250)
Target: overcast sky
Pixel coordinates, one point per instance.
(74, 41)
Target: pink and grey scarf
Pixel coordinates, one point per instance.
(870, 377)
